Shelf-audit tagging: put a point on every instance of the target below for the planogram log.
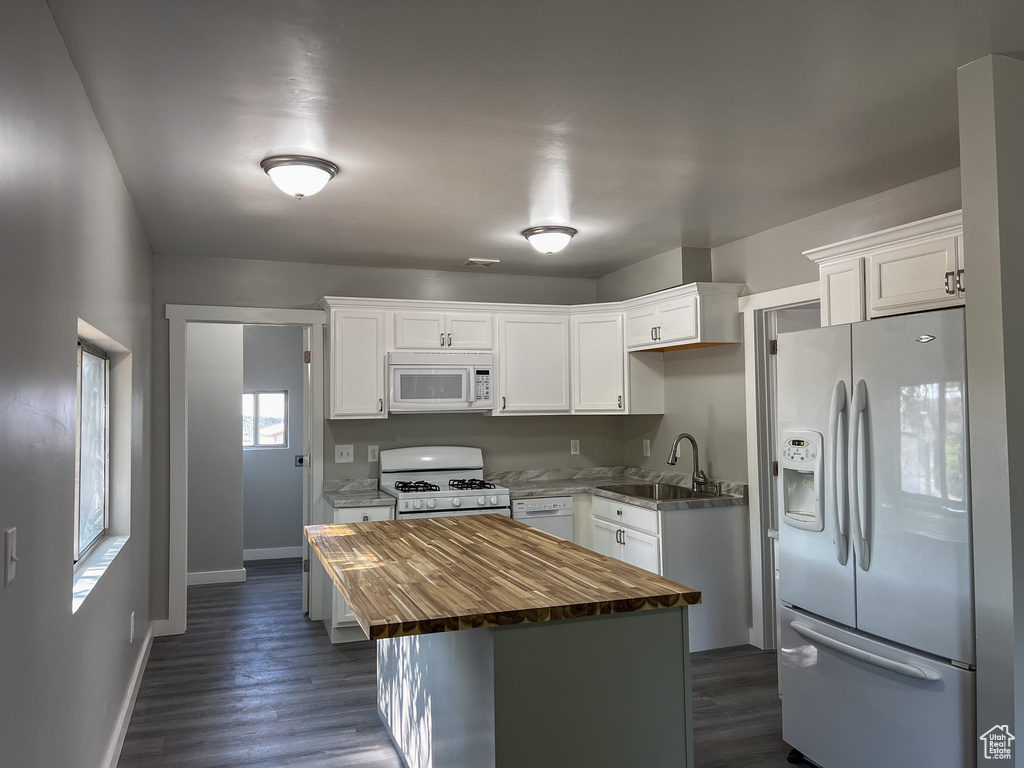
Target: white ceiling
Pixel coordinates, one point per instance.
(457, 123)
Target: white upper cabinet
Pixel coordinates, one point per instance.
(533, 364)
(910, 268)
(695, 314)
(597, 364)
(442, 330)
(356, 364)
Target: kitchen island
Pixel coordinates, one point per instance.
(570, 658)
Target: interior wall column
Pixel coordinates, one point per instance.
(991, 106)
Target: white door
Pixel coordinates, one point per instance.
(914, 564)
(420, 330)
(642, 550)
(640, 325)
(607, 540)
(842, 292)
(534, 364)
(357, 364)
(678, 320)
(598, 382)
(919, 276)
(469, 330)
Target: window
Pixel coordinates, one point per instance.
(264, 419)
(92, 456)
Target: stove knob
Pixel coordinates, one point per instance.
(481, 500)
(431, 503)
(456, 502)
(418, 504)
(494, 499)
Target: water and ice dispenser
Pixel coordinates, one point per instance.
(803, 485)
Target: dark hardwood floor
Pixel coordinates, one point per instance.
(254, 683)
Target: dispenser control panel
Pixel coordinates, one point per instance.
(803, 491)
(798, 450)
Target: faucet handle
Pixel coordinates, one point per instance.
(700, 480)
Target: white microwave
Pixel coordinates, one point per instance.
(440, 381)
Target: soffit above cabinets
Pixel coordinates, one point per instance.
(646, 126)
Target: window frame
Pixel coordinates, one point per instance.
(79, 554)
(256, 419)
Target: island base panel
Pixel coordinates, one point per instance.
(607, 690)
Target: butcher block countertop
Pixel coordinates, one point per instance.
(441, 574)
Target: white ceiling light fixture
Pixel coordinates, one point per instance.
(299, 175)
(548, 240)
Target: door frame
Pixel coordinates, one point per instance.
(755, 367)
(179, 316)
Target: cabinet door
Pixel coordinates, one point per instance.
(420, 330)
(533, 370)
(469, 330)
(678, 320)
(606, 540)
(341, 614)
(357, 364)
(842, 292)
(920, 276)
(642, 550)
(597, 372)
(640, 325)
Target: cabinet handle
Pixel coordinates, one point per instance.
(380, 405)
(659, 339)
(960, 281)
(503, 403)
(620, 401)
(449, 340)
(618, 512)
(653, 337)
(442, 339)
(366, 518)
(949, 283)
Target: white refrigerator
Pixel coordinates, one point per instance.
(875, 568)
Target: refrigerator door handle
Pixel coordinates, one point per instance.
(857, 411)
(899, 667)
(837, 410)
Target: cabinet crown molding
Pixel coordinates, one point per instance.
(904, 234)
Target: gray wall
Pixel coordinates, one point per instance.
(251, 283)
(271, 483)
(774, 258)
(72, 247)
(991, 93)
(214, 447)
(666, 270)
(508, 442)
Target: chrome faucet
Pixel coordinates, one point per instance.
(699, 478)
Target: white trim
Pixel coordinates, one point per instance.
(273, 553)
(935, 226)
(752, 308)
(128, 705)
(231, 576)
(179, 316)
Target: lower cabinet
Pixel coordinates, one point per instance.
(627, 533)
(341, 615)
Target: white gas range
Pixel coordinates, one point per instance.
(438, 481)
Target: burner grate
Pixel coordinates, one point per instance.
(470, 485)
(420, 486)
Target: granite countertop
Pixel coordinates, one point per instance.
(529, 483)
(356, 493)
(441, 574)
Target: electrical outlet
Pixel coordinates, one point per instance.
(131, 629)
(344, 454)
(373, 454)
(10, 554)
(647, 447)
(574, 447)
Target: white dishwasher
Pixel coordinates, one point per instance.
(553, 515)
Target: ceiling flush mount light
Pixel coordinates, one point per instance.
(299, 175)
(549, 240)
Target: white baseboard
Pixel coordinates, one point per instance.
(275, 553)
(128, 706)
(216, 577)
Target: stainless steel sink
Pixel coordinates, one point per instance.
(656, 491)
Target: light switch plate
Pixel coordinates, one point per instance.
(344, 454)
(647, 447)
(574, 447)
(10, 554)
(373, 454)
